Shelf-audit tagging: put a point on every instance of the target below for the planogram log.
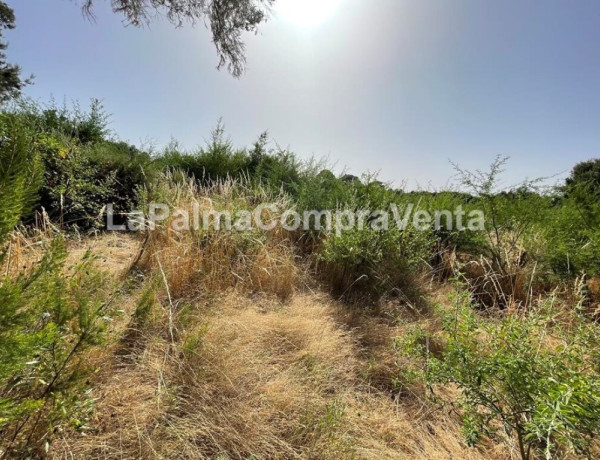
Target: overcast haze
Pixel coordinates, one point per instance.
(393, 86)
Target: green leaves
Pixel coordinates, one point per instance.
(534, 376)
(47, 319)
(20, 172)
(375, 262)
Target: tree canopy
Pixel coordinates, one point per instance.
(11, 82)
(227, 20)
(586, 176)
(583, 187)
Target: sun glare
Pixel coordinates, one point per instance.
(306, 13)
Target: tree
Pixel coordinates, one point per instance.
(585, 176)
(227, 20)
(583, 187)
(11, 82)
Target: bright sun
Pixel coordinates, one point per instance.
(307, 13)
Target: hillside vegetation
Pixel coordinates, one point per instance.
(289, 343)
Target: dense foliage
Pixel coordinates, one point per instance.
(21, 172)
(72, 168)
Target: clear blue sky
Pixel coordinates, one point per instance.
(396, 86)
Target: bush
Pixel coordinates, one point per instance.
(84, 127)
(80, 181)
(219, 161)
(122, 169)
(67, 157)
(583, 187)
(20, 172)
(277, 170)
(535, 377)
(47, 320)
(375, 263)
(571, 246)
(323, 191)
(573, 230)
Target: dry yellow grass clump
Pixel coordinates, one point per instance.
(211, 260)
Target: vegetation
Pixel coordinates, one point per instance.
(47, 322)
(48, 315)
(534, 376)
(20, 172)
(285, 343)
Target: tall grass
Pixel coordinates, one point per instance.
(204, 261)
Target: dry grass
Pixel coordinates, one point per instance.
(509, 285)
(258, 378)
(113, 253)
(211, 261)
(23, 253)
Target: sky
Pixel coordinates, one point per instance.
(394, 87)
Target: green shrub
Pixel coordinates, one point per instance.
(322, 192)
(80, 181)
(571, 246)
(70, 194)
(375, 262)
(512, 215)
(276, 170)
(453, 239)
(573, 227)
(122, 169)
(583, 188)
(48, 318)
(219, 160)
(67, 157)
(536, 378)
(83, 126)
(20, 172)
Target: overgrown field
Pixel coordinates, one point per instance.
(319, 343)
